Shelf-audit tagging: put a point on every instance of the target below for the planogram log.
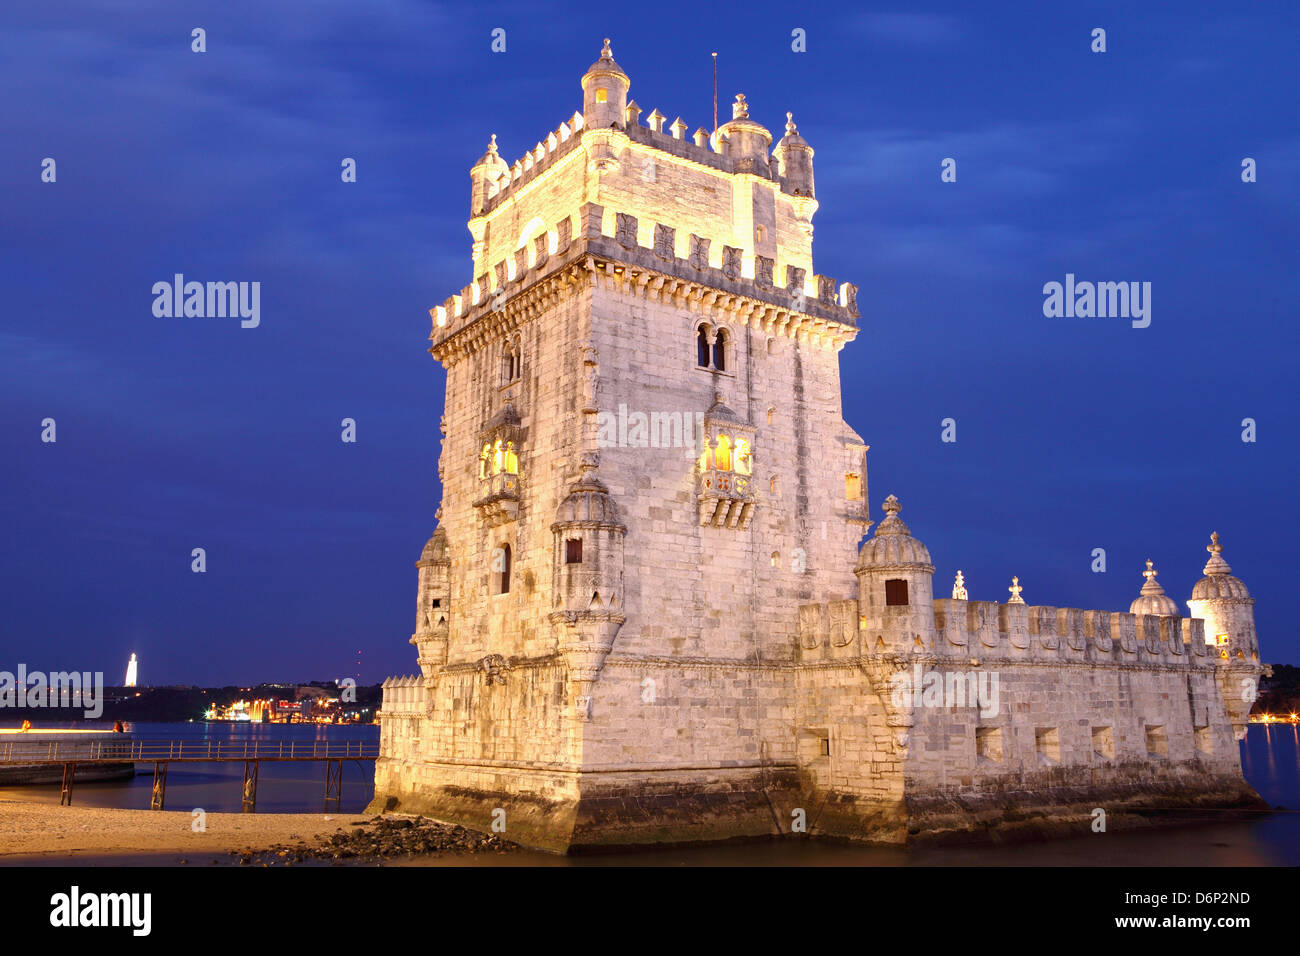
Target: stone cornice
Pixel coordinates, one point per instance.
(601, 261)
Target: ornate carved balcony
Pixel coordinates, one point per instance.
(498, 501)
(726, 499)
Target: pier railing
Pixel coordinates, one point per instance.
(162, 753)
(148, 751)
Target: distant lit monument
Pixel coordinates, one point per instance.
(131, 672)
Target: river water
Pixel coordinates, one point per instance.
(1270, 758)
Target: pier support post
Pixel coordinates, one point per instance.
(65, 795)
(159, 785)
(333, 783)
(249, 804)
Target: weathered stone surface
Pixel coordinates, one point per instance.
(691, 645)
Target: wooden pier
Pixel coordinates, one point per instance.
(163, 753)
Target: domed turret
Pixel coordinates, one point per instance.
(483, 177)
(604, 92)
(433, 612)
(893, 545)
(1218, 581)
(794, 161)
(588, 583)
(1153, 599)
(1227, 608)
(1226, 605)
(895, 578)
(745, 139)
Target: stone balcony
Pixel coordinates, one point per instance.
(498, 501)
(726, 499)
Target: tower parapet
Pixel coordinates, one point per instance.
(658, 174)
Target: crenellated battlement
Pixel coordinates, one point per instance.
(976, 630)
(559, 142)
(986, 628)
(595, 229)
(701, 147)
(403, 697)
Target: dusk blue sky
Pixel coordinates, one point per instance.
(176, 433)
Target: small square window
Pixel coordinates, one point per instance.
(895, 593)
(988, 743)
(1157, 741)
(573, 551)
(1047, 742)
(1103, 743)
(1204, 740)
(602, 96)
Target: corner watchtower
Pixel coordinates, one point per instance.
(604, 92)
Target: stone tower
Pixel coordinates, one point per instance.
(643, 616)
(645, 471)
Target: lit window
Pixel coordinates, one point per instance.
(743, 457)
(602, 96)
(853, 487)
(760, 233)
(722, 457)
(776, 559)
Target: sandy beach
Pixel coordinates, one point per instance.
(33, 829)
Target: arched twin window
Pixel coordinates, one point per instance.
(510, 361)
(712, 347)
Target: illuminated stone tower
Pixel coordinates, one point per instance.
(643, 615)
(645, 471)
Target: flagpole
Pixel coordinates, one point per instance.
(715, 92)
